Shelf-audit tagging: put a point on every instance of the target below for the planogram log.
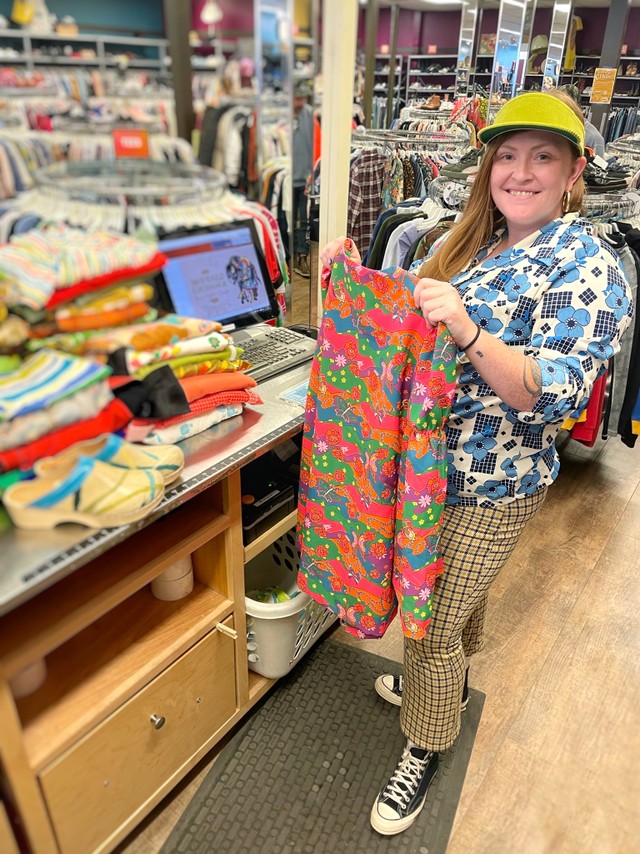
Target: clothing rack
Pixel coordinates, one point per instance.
(130, 182)
(426, 140)
(611, 205)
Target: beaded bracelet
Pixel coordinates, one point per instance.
(473, 340)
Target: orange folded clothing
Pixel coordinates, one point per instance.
(201, 386)
(104, 320)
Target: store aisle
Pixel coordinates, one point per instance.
(554, 767)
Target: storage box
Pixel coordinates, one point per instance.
(280, 633)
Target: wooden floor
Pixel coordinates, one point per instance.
(555, 767)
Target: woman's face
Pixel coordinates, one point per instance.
(530, 173)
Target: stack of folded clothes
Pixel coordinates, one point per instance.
(55, 264)
(51, 400)
(212, 398)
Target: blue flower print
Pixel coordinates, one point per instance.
(486, 294)
(466, 406)
(515, 286)
(529, 483)
(601, 349)
(508, 466)
(588, 249)
(516, 331)
(572, 322)
(556, 411)
(552, 372)
(618, 301)
(493, 489)
(479, 446)
(567, 274)
(485, 320)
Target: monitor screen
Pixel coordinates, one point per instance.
(218, 273)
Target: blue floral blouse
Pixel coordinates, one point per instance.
(561, 296)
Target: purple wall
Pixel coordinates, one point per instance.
(237, 15)
(416, 30)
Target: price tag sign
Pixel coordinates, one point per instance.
(603, 83)
(130, 143)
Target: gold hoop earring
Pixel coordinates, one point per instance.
(566, 201)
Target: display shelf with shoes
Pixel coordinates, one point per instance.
(382, 75)
(430, 73)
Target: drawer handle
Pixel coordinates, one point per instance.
(157, 721)
(227, 630)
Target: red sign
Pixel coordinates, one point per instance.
(131, 143)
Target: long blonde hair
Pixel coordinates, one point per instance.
(481, 217)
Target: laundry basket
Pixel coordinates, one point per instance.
(279, 633)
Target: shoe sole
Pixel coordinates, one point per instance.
(33, 519)
(390, 827)
(390, 697)
(386, 694)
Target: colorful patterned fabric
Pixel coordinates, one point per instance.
(86, 403)
(44, 379)
(561, 296)
(214, 342)
(35, 264)
(148, 336)
(373, 479)
(112, 418)
(197, 424)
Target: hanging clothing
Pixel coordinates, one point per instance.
(373, 453)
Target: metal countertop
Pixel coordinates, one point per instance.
(34, 560)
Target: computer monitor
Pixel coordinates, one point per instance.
(217, 272)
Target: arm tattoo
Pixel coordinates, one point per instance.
(480, 353)
(532, 377)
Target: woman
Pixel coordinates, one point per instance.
(536, 304)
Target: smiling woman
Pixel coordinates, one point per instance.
(536, 304)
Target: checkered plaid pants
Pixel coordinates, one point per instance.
(476, 543)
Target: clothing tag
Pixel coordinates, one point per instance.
(297, 394)
(600, 161)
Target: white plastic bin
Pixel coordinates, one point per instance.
(279, 633)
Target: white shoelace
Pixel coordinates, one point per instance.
(402, 785)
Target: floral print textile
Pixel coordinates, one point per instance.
(373, 478)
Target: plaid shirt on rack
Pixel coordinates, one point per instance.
(365, 185)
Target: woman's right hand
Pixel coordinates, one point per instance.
(329, 252)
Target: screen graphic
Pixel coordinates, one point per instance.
(214, 276)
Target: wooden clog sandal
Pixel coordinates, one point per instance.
(90, 493)
(167, 460)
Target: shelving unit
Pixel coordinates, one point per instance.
(382, 75)
(25, 48)
(137, 690)
(421, 82)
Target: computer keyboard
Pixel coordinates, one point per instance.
(277, 350)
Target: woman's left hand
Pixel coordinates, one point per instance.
(440, 302)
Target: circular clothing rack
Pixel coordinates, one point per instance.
(130, 182)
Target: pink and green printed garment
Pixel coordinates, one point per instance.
(374, 458)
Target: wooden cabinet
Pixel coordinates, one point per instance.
(93, 788)
(138, 690)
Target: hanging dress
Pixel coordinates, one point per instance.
(374, 458)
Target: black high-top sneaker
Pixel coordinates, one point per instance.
(403, 795)
(390, 687)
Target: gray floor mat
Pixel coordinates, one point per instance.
(302, 771)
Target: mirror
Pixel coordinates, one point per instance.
(504, 79)
(468, 20)
(559, 28)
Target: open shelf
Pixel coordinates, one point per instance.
(33, 630)
(264, 540)
(104, 665)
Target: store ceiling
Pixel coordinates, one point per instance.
(447, 5)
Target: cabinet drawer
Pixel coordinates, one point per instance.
(104, 779)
